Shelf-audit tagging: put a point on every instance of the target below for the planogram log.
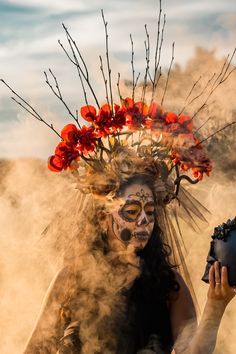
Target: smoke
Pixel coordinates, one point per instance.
(31, 197)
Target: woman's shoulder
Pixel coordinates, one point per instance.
(182, 299)
(182, 309)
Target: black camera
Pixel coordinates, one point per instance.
(223, 250)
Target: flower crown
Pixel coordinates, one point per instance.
(149, 129)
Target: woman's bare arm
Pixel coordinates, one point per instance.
(44, 336)
(183, 316)
(203, 339)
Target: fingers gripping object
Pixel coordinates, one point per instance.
(223, 250)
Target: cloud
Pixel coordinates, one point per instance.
(30, 31)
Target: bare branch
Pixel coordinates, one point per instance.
(77, 49)
(168, 75)
(77, 67)
(147, 57)
(28, 108)
(58, 94)
(104, 79)
(155, 80)
(218, 131)
(136, 81)
(118, 88)
(222, 76)
(199, 95)
(108, 60)
(201, 126)
(81, 72)
(158, 35)
(193, 87)
(132, 65)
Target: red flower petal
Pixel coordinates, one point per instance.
(88, 113)
(155, 110)
(69, 134)
(128, 103)
(62, 147)
(105, 108)
(171, 117)
(186, 121)
(142, 107)
(55, 163)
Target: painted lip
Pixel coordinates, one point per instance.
(141, 235)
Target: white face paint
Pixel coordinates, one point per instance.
(132, 220)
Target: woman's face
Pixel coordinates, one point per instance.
(132, 217)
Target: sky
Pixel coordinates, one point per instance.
(29, 35)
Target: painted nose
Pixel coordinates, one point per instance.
(142, 220)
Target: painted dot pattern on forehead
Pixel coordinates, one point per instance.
(142, 196)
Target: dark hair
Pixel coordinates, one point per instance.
(149, 295)
(152, 289)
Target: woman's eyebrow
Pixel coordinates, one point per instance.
(150, 203)
(132, 201)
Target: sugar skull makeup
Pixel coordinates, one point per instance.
(133, 219)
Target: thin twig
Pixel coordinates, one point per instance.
(136, 81)
(132, 65)
(201, 126)
(199, 95)
(224, 74)
(156, 49)
(77, 49)
(28, 108)
(147, 57)
(118, 88)
(108, 61)
(104, 79)
(168, 75)
(218, 131)
(193, 87)
(58, 94)
(70, 42)
(84, 72)
(159, 58)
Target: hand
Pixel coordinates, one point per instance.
(219, 290)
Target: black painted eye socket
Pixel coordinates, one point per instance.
(130, 214)
(131, 211)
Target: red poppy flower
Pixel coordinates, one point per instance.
(171, 117)
(86, 139)
(55, 163)
(103, 121)
(66, 153)
(136, 114)
(155, 119)
(88, 113)
(119, 118)
(155, 111)
(192, 157)
(128, 103)
(70, 134)
(186, 123)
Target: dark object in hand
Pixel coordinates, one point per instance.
(223, 250)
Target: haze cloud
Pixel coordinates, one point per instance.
(30, 195)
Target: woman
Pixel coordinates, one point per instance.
(118, 292)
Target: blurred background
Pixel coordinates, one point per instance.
(204, 33)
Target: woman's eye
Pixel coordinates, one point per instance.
(150, 212)
(131, 212)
